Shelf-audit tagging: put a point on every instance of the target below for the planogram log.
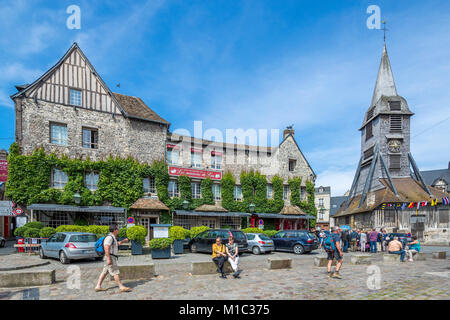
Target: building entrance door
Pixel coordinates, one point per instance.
(417, 226)
(146, 222)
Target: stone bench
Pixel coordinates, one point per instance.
(440, 255)
(208, 267)
(322, 261)
(420, 256)
(392, 258)
(134, 272)
(279, 263)
(361, 259)
(27, 278)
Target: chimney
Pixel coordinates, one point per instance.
(288, 131)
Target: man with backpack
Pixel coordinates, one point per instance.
(110, 247)
(332, 246)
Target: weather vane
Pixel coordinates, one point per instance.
(384, 29)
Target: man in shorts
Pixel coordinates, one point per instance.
(111, 247)
(334, 251)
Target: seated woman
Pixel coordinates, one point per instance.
(219, 256)
(414, 247)
(233, 256)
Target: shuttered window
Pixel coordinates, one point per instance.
(368, 153)
(369, 133)
(395, 105)
(370, 113)
(394, 161)
(396, 122)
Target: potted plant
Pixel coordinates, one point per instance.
(137, 236)
(177, 234)
(160, 248)
(122, 235)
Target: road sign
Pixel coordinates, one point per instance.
(18, 211)
(130, 220)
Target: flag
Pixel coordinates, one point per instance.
(433, 202)
(424, 204)
(411, 205)
(404, 206)
(445, 200)
(418, 205)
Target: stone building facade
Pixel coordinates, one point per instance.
(323, 204)
(70, 111)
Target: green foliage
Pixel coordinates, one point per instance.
(207, 195)
(81, 222)
(71, 228)
(197, 230)
(252, 230)
(176, 232)
(47, 232)
(19, 232)
(294, 186)
(137, 233)
(270, 233)
(160, 243)
(31, 233)
(99, 231)
(122, 232)
(34, 224)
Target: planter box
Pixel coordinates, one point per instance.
(125, 246)
(136, 248)
(161, 253)
(178, 246)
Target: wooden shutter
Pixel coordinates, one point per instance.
(396, 122)
(369, 133)
(395, 105)
(394, 161)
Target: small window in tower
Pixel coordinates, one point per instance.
(370, 113)
(396, 122)
(369, 133)
(394, 162)
(368, 153)
(395, 105)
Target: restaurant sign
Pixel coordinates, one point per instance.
(195, 173)
(3, 170)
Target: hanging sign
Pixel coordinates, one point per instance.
(195, 173)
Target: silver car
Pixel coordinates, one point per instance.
(259, 243)
(67, 246)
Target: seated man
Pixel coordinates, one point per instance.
(414, 247)
(219, 256)
(395, 247)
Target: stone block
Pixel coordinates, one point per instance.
(420, 256)
(391, 258)
(208, 267)
(27, 278)
(279, 263)
(322, 262)
(361, 259)
(134, 272)
(439, 255)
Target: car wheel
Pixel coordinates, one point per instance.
(193, 248)
(41, 254)
(63, 258)
(256, 250)
(298, 249)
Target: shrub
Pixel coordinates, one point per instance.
(196, 230)
(19, 232)
(270, 233)
(47, 232)
(252, 230)
(34, 224)
(71, 228)
(123, 232)
(31, 233)
(160, 243)
(177, 232)
(99, 231)
(137, 233)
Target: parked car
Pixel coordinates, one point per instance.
(402, 237)
(297, 241)
(67, 246)
(259, 243)
(203, 241)
(2, 242)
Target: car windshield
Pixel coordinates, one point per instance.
(311, 235)
(83, 238)
(238, 235)
(264, 237)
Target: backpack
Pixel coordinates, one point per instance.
(99, 248)
(328, 243)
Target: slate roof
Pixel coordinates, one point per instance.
(335, 204)
(211, 208)
(136, 108)
(292, 210)
(149, 204)
(432, 176)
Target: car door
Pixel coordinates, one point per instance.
(200, 241)
(49, 246)
(279, 240)
(58, 244)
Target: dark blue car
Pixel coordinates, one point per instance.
(297, 241)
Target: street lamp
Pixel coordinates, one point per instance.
(185, 204)
(252, 207)
(77, 198)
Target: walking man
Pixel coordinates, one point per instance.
(332, 246)
(111, 247)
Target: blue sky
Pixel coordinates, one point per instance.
(249, 64)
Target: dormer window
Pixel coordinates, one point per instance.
(395, 105)
(369, 133)
(370, 113)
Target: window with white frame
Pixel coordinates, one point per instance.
(90, 138)
(58, 133)
(285, 192)
(196, 188)
(59, 178)
(320, 202)
(149, 185)
(91, 180)
(196, 159)
(269, 191)
(302, 193)
(173, 156)
(216, 161)
(173, 189)
(216, 190)
(75, 97)
(237, 193)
